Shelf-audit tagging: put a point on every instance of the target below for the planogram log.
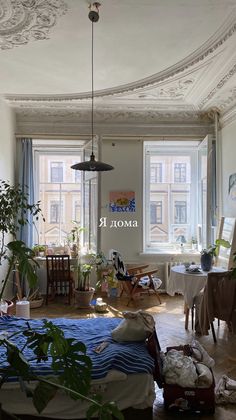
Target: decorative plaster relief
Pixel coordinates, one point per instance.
(226, 100)
(108, 116)
(176, 90)
(219, 85)
(22, 21)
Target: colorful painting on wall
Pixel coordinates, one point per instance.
(122, 201)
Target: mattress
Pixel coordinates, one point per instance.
(122, 372)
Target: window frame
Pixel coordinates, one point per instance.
(160, 148)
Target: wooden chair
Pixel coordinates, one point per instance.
(135, 280)
(59, 278)
(218, 300)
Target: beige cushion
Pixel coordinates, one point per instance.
(136, 326)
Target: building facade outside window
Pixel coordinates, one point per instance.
(60, 195)
(56, 171)
(180, 214)
(56, 211)
(156, 212)
(170, 191)
(180, 172)
(156, 172)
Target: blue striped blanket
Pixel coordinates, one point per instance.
(131, 357)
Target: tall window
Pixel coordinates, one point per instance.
(180, 172)
(58, 193)
(170, 199)
(56, 171)
(180, 212)
(156, 172)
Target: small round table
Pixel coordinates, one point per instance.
(189, 284)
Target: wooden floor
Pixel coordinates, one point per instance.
(169, 319)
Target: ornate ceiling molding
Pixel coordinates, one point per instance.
(219, 85)
(228, 117)
(111, 116)
(197, 57)
(22, 21)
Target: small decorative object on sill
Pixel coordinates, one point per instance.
(100, 306)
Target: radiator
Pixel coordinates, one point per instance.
(167, 268)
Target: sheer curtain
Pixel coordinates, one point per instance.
(26, 181)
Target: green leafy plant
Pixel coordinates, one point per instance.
(15, 211)
(20, 258)
(83, 276)
(213, 250)
(39, 248)
(73, 237)
(70, 366)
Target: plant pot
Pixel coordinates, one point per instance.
(83, 297)
(206, 262)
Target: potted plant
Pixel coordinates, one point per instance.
(212, 251)
(83, 292)
(39, 250)
(73, 238)
(15, 211)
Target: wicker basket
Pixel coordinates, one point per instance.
(36, 303)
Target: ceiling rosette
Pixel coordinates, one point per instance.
(22, 21)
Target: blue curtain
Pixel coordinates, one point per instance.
(26, 181)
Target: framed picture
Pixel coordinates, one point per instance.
(122, 201)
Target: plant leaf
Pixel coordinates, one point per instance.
(43, 393)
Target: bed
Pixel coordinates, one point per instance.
(122, 372)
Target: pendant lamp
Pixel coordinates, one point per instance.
(92, 164)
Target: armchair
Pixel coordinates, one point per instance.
(135, 280)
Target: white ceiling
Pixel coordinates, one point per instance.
(172, 55)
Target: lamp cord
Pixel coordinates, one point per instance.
(92, 89)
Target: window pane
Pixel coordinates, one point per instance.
(56, 171)
(60, 196)
(170, 190)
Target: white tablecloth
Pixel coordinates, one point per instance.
(188, 284)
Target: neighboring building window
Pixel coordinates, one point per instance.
(156, 172)
(156, 213)
(77, 208)
(56, 211)
(180, 172)
(56, 171)
(180, 212)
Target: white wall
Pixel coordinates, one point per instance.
(126, 157)
(7, 158)
(228, 144)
